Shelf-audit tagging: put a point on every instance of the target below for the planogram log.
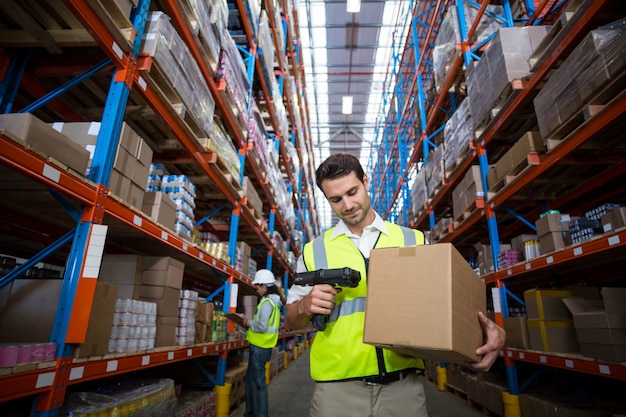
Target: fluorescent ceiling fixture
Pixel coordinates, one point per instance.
(353, 6)
(346, 104)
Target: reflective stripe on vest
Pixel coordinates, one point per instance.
(338, 352)
(270, 337)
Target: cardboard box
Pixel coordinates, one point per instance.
(121, 269)
(552, 223)
(166, 299)
(163, 271)
(553, 241)
(29, 313)
(43, 138)
(553, 336)
(165, 331)
(100, 321)
(517, 243)
(613, 220)
(517, 332)
(443, 288)
(160, 207)
(32, 306)
(547, 304)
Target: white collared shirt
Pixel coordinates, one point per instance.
(365, 243)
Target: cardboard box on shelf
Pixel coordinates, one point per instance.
(553, 336)
(613, 220)
(444, 288)
(517, 332)
(166, 330)
(600, 330)
(43, 138)
(28, 316)
(547, 304)
(552, 223)
(160, 207)
(166, 298)
(100, 321)
(163, 271)
(553, 241)
(121, 269)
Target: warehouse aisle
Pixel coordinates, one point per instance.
(291, 391)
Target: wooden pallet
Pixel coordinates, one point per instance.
(533, 158)
(467, 151)
(477, 204)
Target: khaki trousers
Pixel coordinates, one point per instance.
(403, 398)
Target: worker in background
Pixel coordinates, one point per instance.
(262, 335)
(353, 378)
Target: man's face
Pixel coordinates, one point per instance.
(349, 199)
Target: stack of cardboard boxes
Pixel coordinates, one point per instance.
(204, 321)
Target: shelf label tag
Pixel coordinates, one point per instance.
(521, 355)
(112, 366)
(549, 259)
(51, 173)
(164, 235)
(543, 359)
(204, 349)
(44, 380)
(613, 240)
(145, 360)
(495, 295)
(528, 266)
(118, 51)
(569, 363)
(185, 246)
(170, 356)
(77, 373)
(189, 352)
(137, 220)
(604, 369)
(578, 251)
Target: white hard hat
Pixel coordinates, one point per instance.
(264, 276)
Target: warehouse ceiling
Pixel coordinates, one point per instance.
(348, 54)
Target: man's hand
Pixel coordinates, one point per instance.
(495, 337)
(320, 300)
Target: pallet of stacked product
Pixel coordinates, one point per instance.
(458, 138)
(468, 195)
(233, 80)
(504, 61)
(166, 63)
(592, 75)
(418, 194)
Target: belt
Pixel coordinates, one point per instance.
(388, 378)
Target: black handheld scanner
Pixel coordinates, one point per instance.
(339, 277)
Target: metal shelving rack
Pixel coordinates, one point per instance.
(104, 214)
(393, 169)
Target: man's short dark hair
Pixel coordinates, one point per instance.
(336, 166)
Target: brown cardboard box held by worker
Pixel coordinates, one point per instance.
(423, 301)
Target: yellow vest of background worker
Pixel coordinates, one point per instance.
(338, 352)
(268, 339)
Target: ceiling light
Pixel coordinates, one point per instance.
(353, 6)
(346, 104)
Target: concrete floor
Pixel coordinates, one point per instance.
(291, 391)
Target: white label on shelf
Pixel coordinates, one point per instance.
(521, 355)
(495, 295)
(44, 380)
(204, 349)
(118, 51)
(604, 369)
(170, 356)
(185, 246)
(201, 255)
(578, 251)
(613, 240)
(137, 220)
(528, 266)
(142, 83)
(189, 352)
(509, 354)
(164, 235)
(145, 360)
(549, 259)
(569, 363)
(112, 366)
(213, 261)
(543, 359)
(77, 373)
(51, 173)
(509, 272)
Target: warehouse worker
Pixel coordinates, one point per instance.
(262, 335)
(353, 378)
